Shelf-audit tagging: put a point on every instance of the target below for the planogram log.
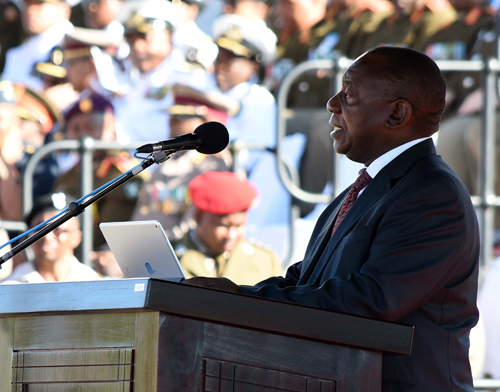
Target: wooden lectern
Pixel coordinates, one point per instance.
(146, 335)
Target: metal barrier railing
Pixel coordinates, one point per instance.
(486, 199)
(86, 147)
(485, 384)
(13, 225)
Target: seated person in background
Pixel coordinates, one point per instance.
(217, 248)
(163, 197)
(11, 149)
(45, 22)
(142, 90)
(245, 47)
(38, 118)
(94, 117)
(54, 254)
(53, 75)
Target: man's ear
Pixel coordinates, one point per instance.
(401, 112)
(197, 215)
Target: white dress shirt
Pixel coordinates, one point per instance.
(19, 61)
(27, 273)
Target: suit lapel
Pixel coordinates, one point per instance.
(323, 237)
(381, 184)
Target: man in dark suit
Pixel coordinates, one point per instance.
(405, 242)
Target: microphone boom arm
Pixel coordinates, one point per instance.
(76, 208)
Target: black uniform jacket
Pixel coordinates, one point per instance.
(406, 252)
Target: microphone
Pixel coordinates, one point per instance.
(208, 138)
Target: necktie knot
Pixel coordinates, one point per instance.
(362, 181)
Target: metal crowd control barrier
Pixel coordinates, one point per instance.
(485, 384)
(86, 147)
(486, 199)
(13, 225)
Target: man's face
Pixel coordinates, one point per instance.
(231, 70)
(38, 16)
(60, 243)
(220, 233)
(179, 126)
(100, 13)
(80, 72)
(96, 125)
(32, 133)
(359, 112)
(147, 51)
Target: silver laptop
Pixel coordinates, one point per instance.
(142, 249)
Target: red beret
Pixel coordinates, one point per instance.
(221, 193)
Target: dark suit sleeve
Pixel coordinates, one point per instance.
(422, 239)
(291, 278)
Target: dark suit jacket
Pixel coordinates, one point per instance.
(406, 252)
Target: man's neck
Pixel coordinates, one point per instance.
(54, 271)
(200, 244)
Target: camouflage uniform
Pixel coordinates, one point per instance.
(117, 205)
(163, 197)
(246, 264)
(408, 31)
(328, 38)
(471, 36)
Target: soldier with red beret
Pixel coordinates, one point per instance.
(163, 197)
(217, 247)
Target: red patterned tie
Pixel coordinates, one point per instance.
(362, 181)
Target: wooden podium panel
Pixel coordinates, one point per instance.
(144, 335)
(79, 352)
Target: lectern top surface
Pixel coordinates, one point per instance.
(213, 306)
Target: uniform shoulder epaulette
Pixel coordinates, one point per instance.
(259, 245)
(189, 66)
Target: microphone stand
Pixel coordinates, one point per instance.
(76, 208)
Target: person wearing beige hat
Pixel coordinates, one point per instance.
(142, 91)
(46, 23)
(245, 48)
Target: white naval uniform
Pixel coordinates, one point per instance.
(256, 121)
(141, 111)
(194, 44)
(27, 273)
(19, 61)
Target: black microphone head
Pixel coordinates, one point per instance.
(214, 137)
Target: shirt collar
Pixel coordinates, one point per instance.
(383, 160)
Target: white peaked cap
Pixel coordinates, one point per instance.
(235, 32)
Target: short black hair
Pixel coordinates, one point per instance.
(53, 202)
(413, 76)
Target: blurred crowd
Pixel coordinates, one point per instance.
(139, 71)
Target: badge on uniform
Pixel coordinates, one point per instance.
(157, 93)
